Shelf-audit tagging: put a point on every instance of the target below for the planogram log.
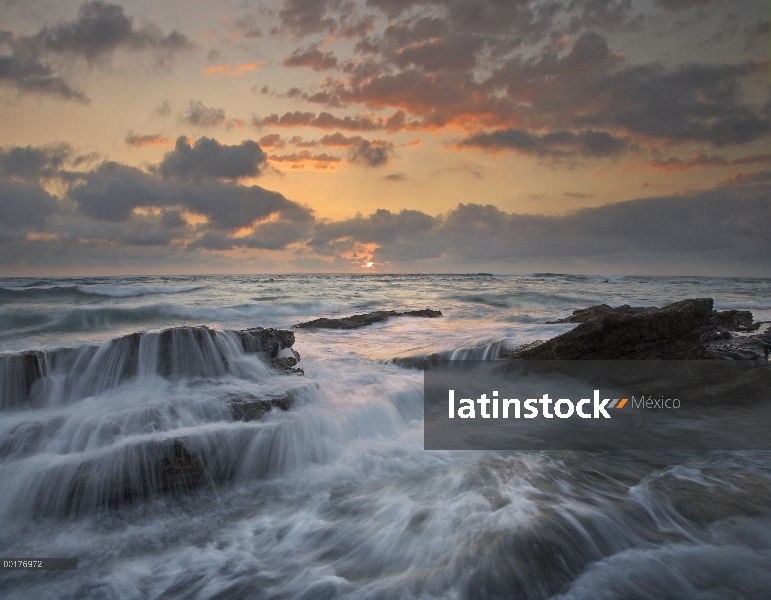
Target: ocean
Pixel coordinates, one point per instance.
(335, 497)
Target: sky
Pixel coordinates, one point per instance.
(385, 136)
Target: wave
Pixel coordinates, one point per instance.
(9, 294)
(122, 291)
(81, 319)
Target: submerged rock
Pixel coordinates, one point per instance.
(356, 321)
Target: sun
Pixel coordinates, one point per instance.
(369, 265)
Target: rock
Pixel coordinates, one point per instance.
(733, 320)
(181, 352)
(268, 340)
(716, 495)
(180, 470)
(672, 332)
(586, 314)
(251, 408)
(356, 321)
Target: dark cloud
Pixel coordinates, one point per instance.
(31, 163)
(371, 154)
(311, 57)
(395, 177)
(208, 159)
(200, 115)
(29, 75)
(23, 208)
(706, 230)
(699, 103)
(556, 144)
(675, 163)
(303, 17)
(112, 192)
(98, 30)
(452, 54)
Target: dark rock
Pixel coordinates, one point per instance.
(356, 321)
(733, 320)
(266, 339)
(586, 314)
(250, 409)
(180, 470)
(672, 332)
(286, 364)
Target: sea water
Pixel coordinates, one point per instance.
(336, 498)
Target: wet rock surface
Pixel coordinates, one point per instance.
(686, 330)
(356, 321)
(715, 494)
(252, 408)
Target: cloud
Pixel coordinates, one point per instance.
(371, 154)
(208, 159)
(305, 155)
(98, 30)
(541, 69)
(304, 17)
(247, 67)
(151, 139)
(326, 120)
(113, 191)
(702, 231)
(23, 208)
(200, 115)
(272, 140)
(311, 57)
(28, 75)
(163, 109)
(395, 177)
(702, 160)
(559, 143)
(31, 164)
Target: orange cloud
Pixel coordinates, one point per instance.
(237, 70)
(216, 69)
